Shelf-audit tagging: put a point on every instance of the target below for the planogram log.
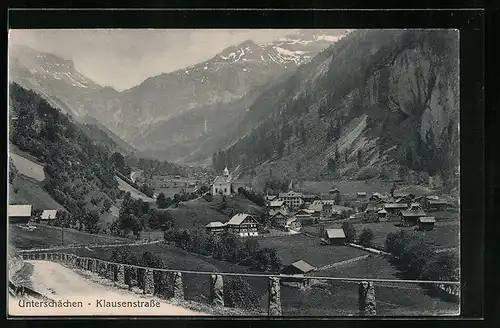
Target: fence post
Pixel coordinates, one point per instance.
(110, 272)
(274, 297)
(121, 274)
(367, 305)
(178, 286)
(217, 290)
(149, 284)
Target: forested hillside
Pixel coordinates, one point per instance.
(81, 175)
(375, 103)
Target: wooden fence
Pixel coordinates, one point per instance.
(169, 283)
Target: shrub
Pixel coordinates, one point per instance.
(366, 237)
(349, 230)
(239, 294)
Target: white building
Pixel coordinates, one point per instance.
(293, 200)
(222, 184)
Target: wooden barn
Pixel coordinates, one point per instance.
(19, 214)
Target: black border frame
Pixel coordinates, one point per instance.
(470, 22)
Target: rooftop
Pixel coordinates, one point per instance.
(19, 210)
(215, 224)
(335, 233)
(395, 205)
(239, 218)
(413, 213)
(48, 214)
(276, 203)
(427, 219)
(303, 266)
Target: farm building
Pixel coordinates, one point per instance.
(216, 227)
(372, 208)
(335, 236)
(19, 214)
(222, 184)
(279, 220)
(333, 191)
(382, 215)
(395, 208)
(426, 223)
(292, 223)
(410, 218)
(293, 200)
(434, 205)
(243, 225)
(48, 215)
(277, 206)
(361, 194)
(304, 214)
(298, 269)
(329, 208)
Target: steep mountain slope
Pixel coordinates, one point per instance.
(376, 102)
(58, 81)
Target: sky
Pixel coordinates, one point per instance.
(124, 58)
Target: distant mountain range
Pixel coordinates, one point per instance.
(310, 105)
(137, 114)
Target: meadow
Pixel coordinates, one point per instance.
(134, 193)
(45, 236)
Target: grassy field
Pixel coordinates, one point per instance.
(299, 247)
(170, 192)
(27, 167)
(198, 212)
(444, 235)
(29, 192)
(44, 236)
(134, 193)
(393, 299)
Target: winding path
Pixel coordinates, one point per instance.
(60, 283)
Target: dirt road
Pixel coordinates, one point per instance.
(60, 283)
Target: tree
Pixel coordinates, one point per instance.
(337, 156)
(349, 231)
(366, 237)
(161, 201)
(303, 135)
(239, 294)
(331, 165)
(360, 158)
(444, 267)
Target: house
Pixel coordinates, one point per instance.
(304, 214)
(333, 191)
(19, 214)
(335, 236)
(269, 198)
(316, 206)
(243, 225)
(394, 208)
(434, 205)
(276, 206)
(376, 196)
(410, 218)
(309, 199)
(279, 220)
(293, 200)
(222, 184)
(48, 215)
(292, 223)
(426, 223)
(216, 227)
(382, 215)
(298, 269)
(330, 209)
(361, 194)
(372, 208)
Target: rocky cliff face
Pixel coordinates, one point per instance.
(389, 99)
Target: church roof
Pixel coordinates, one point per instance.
(221, 179)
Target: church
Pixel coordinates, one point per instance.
(222, 184)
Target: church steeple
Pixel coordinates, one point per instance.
(226, 172)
